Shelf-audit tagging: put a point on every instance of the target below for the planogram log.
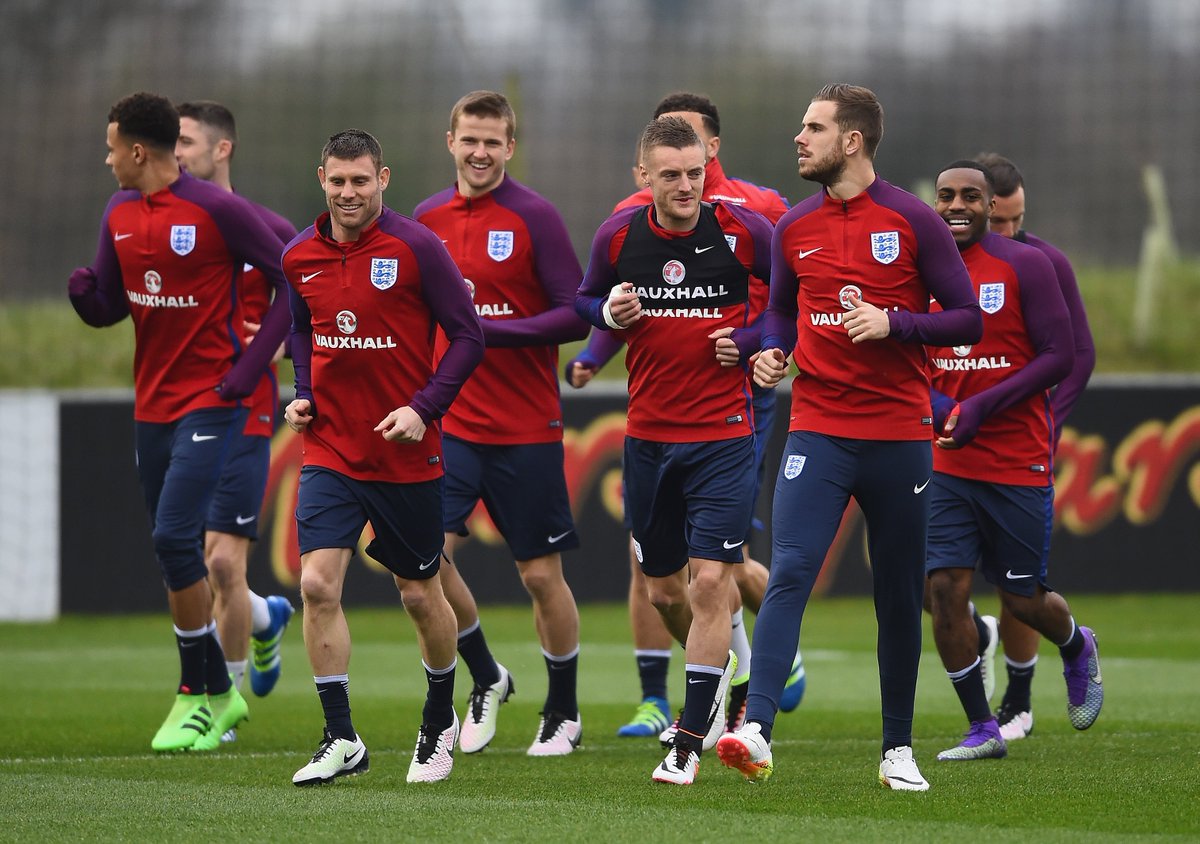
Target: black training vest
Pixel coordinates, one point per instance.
(698, 270)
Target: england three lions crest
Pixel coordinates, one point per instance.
(183, 239)
(384, 272)
(885, 246)
(794, 465)
(500, 245)
(991, 297)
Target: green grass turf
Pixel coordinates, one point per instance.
(82, 697)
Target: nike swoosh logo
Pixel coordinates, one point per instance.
(1012, 576)
(553, 539)
(244, 520)
(704, 249)
(729, 547)
(348, 758)
(424, 566)
(199, 438)
(122, 236)
(305, 279)
(917, 490)
(804, 253)
(690, 682)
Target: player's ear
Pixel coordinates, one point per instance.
(321, 175)
(385, 176)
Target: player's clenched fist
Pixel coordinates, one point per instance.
(298, 414)
(770, 365)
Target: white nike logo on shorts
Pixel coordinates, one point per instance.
(244, 520)
(199, 438)
(1012, 576)
(729, 547)
(553, 539)
(917, 490)
(424, 566)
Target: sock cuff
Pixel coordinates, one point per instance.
(332, 678)
(649, 653)
(191, 634)
(694, 667)
(567, 657)
(438, 672)
(955, 676)
(465, 633)
(1012, 663)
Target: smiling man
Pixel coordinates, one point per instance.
(673, 277)
(993, 482)
(368, 286)
(504, 434)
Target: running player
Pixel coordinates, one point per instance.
(503, 437)
(674, 276)
(170, 255)
(369, 286)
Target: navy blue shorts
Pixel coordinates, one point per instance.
(1003, 528)
(239, 495)
(179, 464)
(332, 510)
(523, 488)
(688, 500)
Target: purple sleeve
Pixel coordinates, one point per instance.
(103, 302)
(557, 270)
(446, 294)
(1049, 330)
(1063, 399)
(251, 241)
(601, 275)
(300, 343)
(749, 339)
(945, 277)
(600, 349)
(779, 321)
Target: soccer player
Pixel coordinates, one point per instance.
(503, 437)
(170, 254)
(673, 277)
(993, 483)
(207, 141)
(854, 267)
(368, 288)
(1007, 218)
(651, 639)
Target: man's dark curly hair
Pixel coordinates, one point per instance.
(148, 119)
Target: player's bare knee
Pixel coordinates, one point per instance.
(318, 590)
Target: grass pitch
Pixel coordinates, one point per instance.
(82, 698)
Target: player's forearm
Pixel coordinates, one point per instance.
(550, 328)
(462, 356)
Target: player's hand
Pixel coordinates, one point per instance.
(298, 414)
(866, 322)
(402, 425)
(770, 365)
(82, 282)
(579, 374)
(623, 306)
(252, 329)
(727, 351)
(946, 440)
